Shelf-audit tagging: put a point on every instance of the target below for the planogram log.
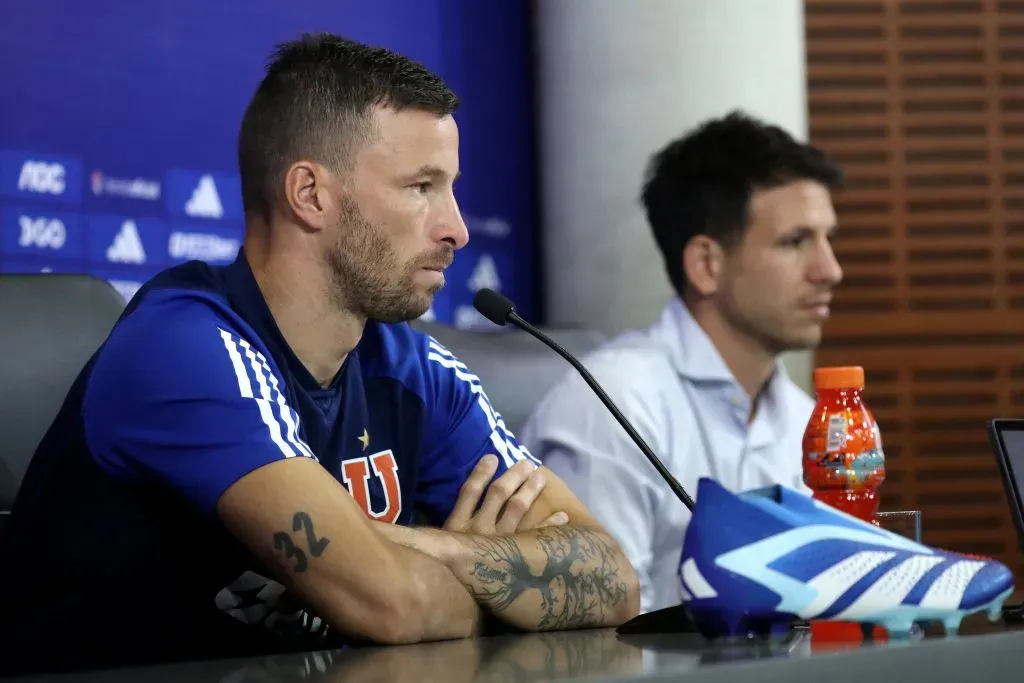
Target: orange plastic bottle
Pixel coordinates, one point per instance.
(844, 463)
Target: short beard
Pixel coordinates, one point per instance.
(366, 276)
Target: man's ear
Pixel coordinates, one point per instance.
(703, 262)
(307, 194)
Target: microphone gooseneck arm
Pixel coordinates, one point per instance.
(672, 482)
(500, 310)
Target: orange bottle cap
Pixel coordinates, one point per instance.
(851, 377)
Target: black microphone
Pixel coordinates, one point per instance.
(500, 310)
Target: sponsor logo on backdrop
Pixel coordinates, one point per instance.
(215, 243)
(129, 188)
(187, 246)
(41, 232)
(127, 280)
(484, 275)
(127, 241)
(126, 288)
(127, 245)
(205, 201)
(47, 177)
(467, 317)
(203, 195)
(492, 226)
(42, 177)
(26, 232)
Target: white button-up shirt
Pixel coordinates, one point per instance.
(671, 383)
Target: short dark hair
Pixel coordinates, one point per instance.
(701, 183)
(315, 103)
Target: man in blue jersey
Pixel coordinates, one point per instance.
(236, 470)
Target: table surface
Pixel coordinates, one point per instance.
(983, 651)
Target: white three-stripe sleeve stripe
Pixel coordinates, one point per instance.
(286, 439)
(444, 357)
(501, 437)
(244, 385)
(287, 414)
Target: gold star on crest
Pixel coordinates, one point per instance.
(365, 439)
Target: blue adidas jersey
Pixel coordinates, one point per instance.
(194, 388)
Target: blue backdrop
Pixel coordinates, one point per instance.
(118, 126)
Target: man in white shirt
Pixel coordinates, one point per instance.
(743, 216)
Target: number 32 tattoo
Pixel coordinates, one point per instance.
(283, 542)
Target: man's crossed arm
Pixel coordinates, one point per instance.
(531, 554)
(516, 555)
(208, 436)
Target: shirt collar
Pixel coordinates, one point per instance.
(247, 300)
(696, 359)
(692, 352)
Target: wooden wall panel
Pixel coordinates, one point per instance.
(923, 104)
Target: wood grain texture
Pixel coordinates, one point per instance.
(923, 104)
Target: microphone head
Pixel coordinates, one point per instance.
(493, 306)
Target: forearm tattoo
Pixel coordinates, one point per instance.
(579, 583)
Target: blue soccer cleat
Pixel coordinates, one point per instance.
(765, 558)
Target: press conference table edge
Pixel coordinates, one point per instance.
(989, 658)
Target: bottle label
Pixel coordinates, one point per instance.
(853, 469)
(847, 454)
(836, 434)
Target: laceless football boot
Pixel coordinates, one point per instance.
(760, 560)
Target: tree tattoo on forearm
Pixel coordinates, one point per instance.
(579, 582)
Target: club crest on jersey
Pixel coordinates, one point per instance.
(355, 474)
